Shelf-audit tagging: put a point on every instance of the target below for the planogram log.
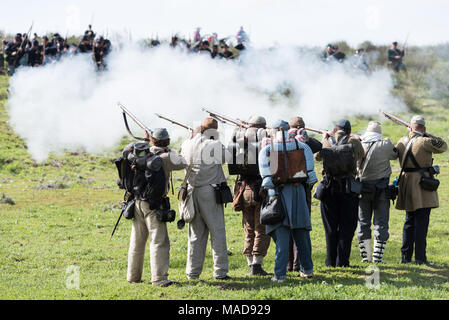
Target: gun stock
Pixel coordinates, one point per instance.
(128, 113)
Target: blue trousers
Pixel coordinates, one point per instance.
(281, 237)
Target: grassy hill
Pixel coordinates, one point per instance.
(65, 210)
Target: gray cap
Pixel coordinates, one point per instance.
(257, 121)
(418, 120)
(374, 126)
(160, 134)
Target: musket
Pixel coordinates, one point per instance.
(224, 119)
(126, 112)
(23, 44)
(401, 122)
(405, 44)
(396, 119)
(119, 217)
(319, 131)
(174, 122)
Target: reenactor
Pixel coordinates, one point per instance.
(206, 154)
(374, 204)
(358, 60)
(147, 222)
(248, 200)
(98, 54)
(242, 37)
(225, 53)
(297, 130)
(14, 53)
(417, 187)
(204, 48)
(197, 35)
(327, 52)
(333, 53)
(395, 56)
(338, 192)
(214, 51)
(90, 34)
(296, 222)
(35, 54)
(2, 55)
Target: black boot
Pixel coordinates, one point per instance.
(256, 270)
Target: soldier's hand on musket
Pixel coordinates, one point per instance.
(325, 135)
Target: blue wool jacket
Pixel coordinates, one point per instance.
(293, 196)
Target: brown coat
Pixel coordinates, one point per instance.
(411, 196)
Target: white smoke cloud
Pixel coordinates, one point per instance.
(68, 106)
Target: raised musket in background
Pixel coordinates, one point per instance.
(175, 122)
(224, 119)
(134, 118)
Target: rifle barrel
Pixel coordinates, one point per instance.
(175, 122)
(395, 119)
(319, 131)
(134, 118)
(224, 119)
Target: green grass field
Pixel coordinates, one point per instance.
(65, 210)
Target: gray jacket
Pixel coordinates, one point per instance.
(377, 162)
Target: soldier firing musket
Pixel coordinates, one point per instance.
(134, 118)
(224, 119)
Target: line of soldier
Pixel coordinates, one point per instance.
(395, 57)
(352, 199)
(23, 51)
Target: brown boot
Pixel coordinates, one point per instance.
(256, 270)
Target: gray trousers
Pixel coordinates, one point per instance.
(145, 224)
(209, 218)
(380, 207)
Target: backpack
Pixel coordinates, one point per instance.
(339, 160)
(125, 174)
(145, 183)
(288, 166)
(245, 147)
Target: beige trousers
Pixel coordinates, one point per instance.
(146, 225)
(209, 218)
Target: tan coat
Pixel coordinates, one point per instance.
(411, 196)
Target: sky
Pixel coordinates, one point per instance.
(284, 22)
